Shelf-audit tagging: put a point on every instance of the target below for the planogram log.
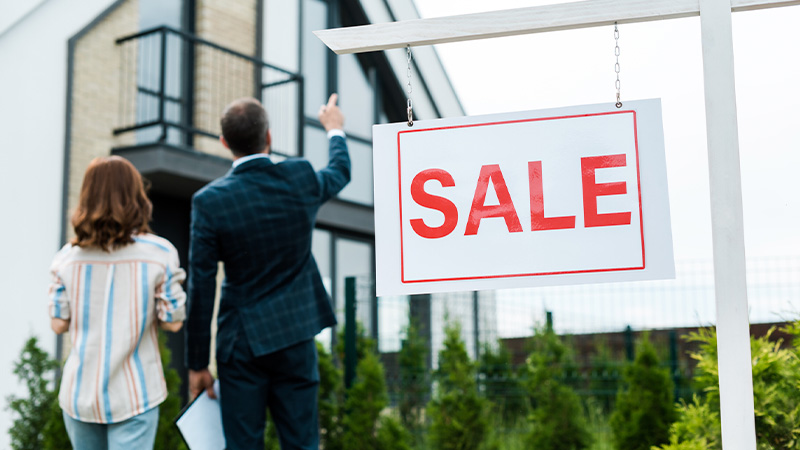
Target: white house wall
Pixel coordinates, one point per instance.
(33, 81)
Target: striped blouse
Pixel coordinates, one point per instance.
(114, 301)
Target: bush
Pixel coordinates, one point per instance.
(34, 411)
(359, 421)
(500, 384)
(331, 397)
(558, 421)
(605, 376)
(644, 409)
(457, 412)
(365, 401)
(55, 432)
(414, 388)
(697, 427)
(167, 435)
(776, 377)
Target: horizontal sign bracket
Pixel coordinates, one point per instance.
(514, 22)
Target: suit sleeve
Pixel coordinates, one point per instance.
(203, 258)
(335, 176)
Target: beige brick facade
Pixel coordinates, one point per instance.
(96, 94)
(221, 77)
(99, 87)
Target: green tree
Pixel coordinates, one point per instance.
(331, 399)
(697, 427)
(365, 401)
(558, 421)
(776, 377)
(644, 409)
(500, 383)
(55, 432)
(392, 435)
(364, 426)
(32, 412)
(271, 440)
(457, 412)
(414, 387)
(167, 435)
(605, 376)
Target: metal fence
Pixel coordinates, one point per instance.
(601, 323)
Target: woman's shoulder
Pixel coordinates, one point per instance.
(154, 241)
(63, 255)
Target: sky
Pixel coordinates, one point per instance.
(661, 59)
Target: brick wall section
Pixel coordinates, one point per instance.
(96, 94)
(221, 77)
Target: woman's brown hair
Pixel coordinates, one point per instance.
(113, 205)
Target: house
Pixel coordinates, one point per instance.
(147, 80)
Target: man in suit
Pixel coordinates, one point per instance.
(258, 220)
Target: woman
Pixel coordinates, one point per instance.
(112, 285)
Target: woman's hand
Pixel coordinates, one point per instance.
(172, 327)
(59, 325)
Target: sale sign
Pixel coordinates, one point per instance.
(551, 197)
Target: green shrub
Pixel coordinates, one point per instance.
(33, 412)
(331, 398)
(644, 408)
(365, 401)
(414, 387)
(167, 435)
(392, 435)
(697, 427)
(776, 379)
(55, 432)
(500, 384)
(357, 419)
(271, 440)
(605, 376)
(457, 412)
(557, 420)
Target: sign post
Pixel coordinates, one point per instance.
(730, 285)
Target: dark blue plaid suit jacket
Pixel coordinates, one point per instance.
(258, 220)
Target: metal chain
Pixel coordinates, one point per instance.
(616, 65)
(409, 108)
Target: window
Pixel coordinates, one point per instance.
(359, 190)
(314, 56)
(357, 97)
(338, 257)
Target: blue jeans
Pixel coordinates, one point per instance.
(138, 432)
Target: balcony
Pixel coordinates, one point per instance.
(173, 88)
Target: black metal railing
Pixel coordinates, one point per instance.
(174, 86)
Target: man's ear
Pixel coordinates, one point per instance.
(224, 142)
(269, 141)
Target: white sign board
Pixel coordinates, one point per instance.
(551, 197)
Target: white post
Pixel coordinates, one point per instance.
(733, 328)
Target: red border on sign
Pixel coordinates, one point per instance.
(514, 275)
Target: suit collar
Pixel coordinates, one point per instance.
(252, 164)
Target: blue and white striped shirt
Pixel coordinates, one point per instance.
(114, 301)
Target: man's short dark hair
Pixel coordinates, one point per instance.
(244, 126)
